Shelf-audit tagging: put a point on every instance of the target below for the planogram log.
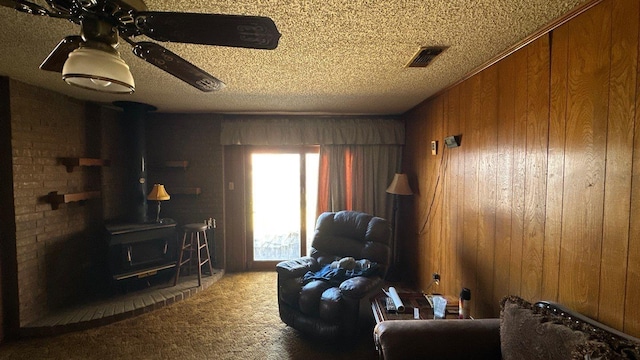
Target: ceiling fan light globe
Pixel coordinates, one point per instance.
(102, 83)
(98, 70)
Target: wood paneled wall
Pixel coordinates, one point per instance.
(542, 198)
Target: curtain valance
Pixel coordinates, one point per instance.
(301, 130)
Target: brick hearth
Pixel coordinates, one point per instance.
(118, 308)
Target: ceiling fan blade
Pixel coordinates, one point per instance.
(26, 7)
(255, 32)
(176, 66)
(55, 60)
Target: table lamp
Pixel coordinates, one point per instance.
(158, 193)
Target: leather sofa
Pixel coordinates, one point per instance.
(328, 308)
(524, 331)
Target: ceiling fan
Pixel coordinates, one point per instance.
(90, 60)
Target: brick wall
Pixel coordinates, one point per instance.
(113, 182)
(196, 139)
(57, 251)
(60, 255)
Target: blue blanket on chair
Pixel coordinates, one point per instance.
(335, 276)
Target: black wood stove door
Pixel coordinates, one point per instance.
(139, 250)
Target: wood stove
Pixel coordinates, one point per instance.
(141, 250)
(138, 247)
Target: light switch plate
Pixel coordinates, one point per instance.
(434, 147)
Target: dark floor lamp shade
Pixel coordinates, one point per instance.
(400, 185)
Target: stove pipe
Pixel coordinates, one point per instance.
(133, 116)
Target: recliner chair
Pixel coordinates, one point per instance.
(330, 310)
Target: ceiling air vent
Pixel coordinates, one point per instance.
(425, 55)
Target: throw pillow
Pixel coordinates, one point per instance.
(532, 332)
(528, 332)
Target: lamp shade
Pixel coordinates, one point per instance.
(400, 185)
(158, 193)
(97, 69)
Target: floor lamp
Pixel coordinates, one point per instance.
(399, 187)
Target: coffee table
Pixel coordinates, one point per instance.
(410, 300)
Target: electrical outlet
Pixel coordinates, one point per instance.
(436, 278)
(434, 147)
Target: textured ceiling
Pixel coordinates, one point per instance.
(334, 56)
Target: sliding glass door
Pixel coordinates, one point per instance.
(282, 204)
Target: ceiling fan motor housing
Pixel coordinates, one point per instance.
(99, 31)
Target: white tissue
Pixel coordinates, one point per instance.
(439, 307)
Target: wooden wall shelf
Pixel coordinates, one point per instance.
(56, 199)
(70, 163)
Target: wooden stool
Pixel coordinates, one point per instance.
(195, 245)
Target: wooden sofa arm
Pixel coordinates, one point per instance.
(438, 339)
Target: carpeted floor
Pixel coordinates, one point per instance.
(235, 318)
